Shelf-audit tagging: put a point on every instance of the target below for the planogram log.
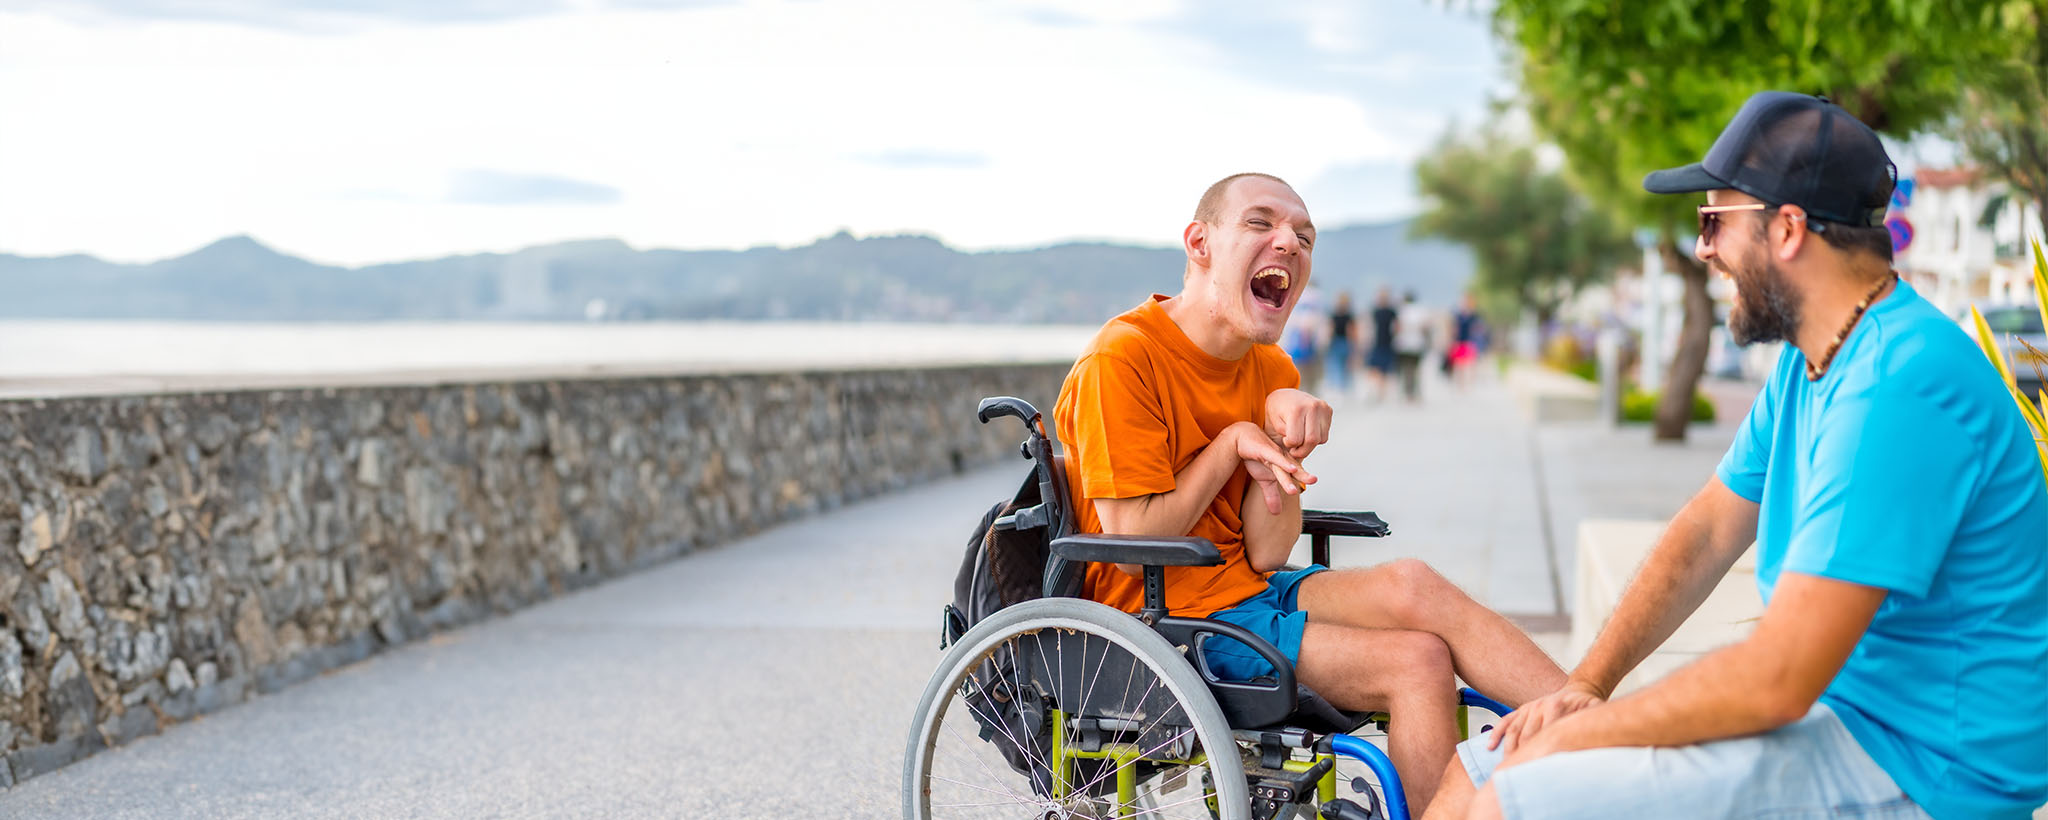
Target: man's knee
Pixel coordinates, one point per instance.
(1378, 665)
(1412, 572)
(1419, 660)
(1411, 591)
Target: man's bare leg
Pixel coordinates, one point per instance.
(1485, 805)
(1487, 651)
(1404, 673)
(1453, 793)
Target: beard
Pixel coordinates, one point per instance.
(1766, 306)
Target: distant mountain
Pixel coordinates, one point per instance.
(900, 278)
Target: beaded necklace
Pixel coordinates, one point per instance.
(1814, 372)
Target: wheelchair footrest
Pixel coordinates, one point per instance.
(1274, 789)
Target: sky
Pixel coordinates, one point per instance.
(361, 131)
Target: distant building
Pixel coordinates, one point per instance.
(1969, 240)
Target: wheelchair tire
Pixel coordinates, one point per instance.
(948, 757)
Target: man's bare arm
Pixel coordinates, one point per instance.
(1768, 680)
(1697, 549)
(1195, 487)
(1268, 536)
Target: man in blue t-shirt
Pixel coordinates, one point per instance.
(1896, 500)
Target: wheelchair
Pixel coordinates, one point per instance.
(1052, 707)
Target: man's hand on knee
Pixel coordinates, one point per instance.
(1524, 723)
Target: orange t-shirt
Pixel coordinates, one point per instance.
(1139, 406)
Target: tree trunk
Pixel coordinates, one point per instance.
(1674, 408)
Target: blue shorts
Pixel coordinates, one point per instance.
(1809, 768)
(1272, 615)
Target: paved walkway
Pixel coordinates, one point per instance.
(775, 676)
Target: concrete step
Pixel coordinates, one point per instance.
(1609, 552)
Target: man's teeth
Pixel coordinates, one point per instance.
(1273, 272)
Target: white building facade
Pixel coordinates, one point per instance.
(1969, 244)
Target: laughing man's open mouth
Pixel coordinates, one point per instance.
(1269, 286)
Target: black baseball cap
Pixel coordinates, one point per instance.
(1794, 149)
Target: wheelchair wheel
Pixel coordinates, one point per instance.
(1063, 708)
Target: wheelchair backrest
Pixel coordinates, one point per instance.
(1008, 558)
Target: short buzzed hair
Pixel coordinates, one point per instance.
(1212, 199)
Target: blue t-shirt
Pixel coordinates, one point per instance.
(1908, 467)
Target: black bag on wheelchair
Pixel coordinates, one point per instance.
(1002, 566)
(1005, 565)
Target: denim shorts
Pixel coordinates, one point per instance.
(1272, 615)
(1810, 768)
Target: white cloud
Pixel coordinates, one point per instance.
(722, 126)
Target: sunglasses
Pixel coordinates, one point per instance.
(1710, 218)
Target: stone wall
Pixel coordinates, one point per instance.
(164, 556)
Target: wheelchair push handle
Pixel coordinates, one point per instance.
(995, 407)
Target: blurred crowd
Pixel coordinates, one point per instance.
(1348, 354)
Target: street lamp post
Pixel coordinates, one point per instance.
(1651, 377)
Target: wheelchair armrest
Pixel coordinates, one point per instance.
(1364, 524)
(1319, 525)
(1147, 550)
(1247, 703)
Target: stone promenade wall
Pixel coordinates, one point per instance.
(164, 556)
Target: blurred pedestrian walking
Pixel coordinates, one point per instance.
(1379, 362)
(1411, 342)
(1338, 357)
(1466, 327)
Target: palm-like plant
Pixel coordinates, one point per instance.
(2034, 407)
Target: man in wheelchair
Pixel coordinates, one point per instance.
(1182, 418)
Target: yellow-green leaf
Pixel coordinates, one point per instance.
(2033, 414)
(1989, 342)
(2038, 420)
(2041, 280)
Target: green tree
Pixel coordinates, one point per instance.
(1628, 88)
(1535, 241)
(2002, 125)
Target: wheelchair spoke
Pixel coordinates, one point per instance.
(1015, 798)
(979, 760)
(1059, 641)
(969, 805)
(1104, 664)
(1029, 749)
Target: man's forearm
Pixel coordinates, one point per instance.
(1728, 693)
(1679, 573)
(1269, 538)
(1770, 679)
(1174, 512)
